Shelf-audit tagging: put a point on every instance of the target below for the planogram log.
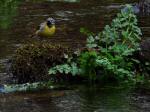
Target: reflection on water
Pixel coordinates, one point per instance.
(8, 10)
(84, 99)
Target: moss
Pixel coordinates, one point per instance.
(32, 61)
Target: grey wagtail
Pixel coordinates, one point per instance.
(47, 28)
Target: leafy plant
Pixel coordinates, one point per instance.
(109, 52)
(66, 69)
(88, 65)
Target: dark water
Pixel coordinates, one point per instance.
(83, 99)
(19, 20)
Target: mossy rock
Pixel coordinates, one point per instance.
(32, 61)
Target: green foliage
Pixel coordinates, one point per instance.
(86, 32)
(109, 54)
(66, 69)
(87, 63)
(113, 70)
(91, 42)
(116, 43)
(123, 30)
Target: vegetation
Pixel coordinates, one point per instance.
(108, 56)
(32, 61)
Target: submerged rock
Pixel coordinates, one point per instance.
(26, 87)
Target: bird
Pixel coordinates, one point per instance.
(47, 28)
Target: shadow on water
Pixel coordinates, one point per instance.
(19, 20)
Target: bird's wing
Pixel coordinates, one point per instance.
(41, 26)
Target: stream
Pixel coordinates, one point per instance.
(19, 20)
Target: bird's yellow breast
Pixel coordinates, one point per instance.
(47, 31)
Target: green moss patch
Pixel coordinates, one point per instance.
(32, 61)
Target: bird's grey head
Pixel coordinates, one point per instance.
(50, 21)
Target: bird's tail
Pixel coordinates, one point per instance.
(34, 35)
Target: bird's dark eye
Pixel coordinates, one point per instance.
(49, 24)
